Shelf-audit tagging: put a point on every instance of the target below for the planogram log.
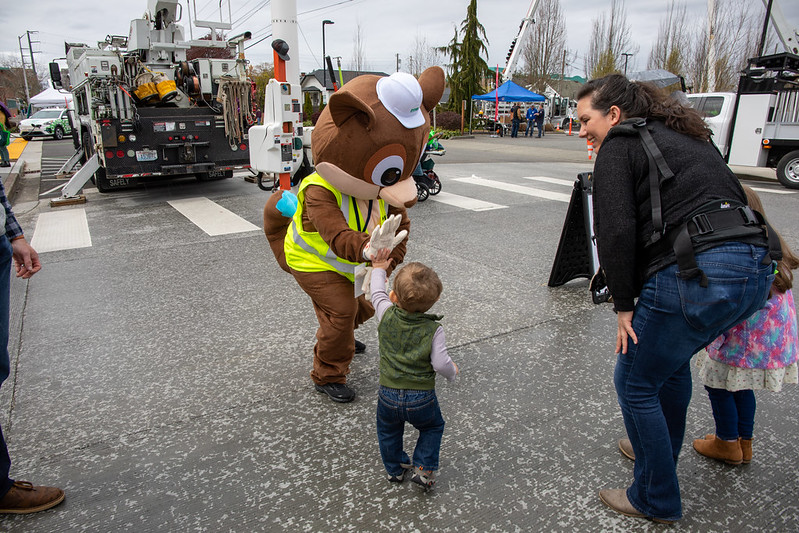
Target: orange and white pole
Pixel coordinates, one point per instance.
(590, 150)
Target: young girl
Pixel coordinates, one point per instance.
(759, 353)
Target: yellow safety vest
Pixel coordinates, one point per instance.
(306, 251)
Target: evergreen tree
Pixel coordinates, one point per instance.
(468, 67)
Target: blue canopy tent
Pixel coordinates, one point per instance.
(510, 92)
(507, 92)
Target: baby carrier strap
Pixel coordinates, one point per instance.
(716, 221)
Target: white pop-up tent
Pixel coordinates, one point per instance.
(51, 98)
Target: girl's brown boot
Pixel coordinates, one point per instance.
(746, 450)
(722, 450)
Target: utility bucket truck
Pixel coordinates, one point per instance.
(759, 125)
(144, 112)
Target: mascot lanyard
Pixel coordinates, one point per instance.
(358, 214)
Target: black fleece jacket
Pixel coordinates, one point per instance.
(622, 207)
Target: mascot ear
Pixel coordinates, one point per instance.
(432, 81)
(344, 105)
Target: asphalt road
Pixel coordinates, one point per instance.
(160, 371)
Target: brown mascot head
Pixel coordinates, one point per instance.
(370, 137)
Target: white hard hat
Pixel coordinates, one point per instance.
(401, 94)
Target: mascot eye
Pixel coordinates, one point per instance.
(388, 171)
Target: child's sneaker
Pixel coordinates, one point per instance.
(396, 479)
(401, 477)
(423, 477)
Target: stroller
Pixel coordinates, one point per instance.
(426, 179)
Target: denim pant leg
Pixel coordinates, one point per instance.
(746, 405)
(673, 319)
(424, 414)
(390, 429)
(4, 155)
(5, 287)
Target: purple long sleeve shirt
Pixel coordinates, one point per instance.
(439, 357)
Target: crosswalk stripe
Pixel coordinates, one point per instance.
(464, 202)
(519, 189)
(61, 230)
(556, 181)
(211, 217)
(773, 191)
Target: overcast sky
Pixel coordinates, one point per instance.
(389, 27)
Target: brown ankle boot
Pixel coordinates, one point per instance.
(746, 450)
(715, 448)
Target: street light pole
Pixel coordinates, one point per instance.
(626, 56)
(324, 55)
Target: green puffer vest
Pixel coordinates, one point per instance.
(406, 340)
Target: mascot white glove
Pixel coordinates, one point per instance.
(384, 236)
(366, 284)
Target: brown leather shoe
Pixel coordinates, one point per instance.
(721, 450)
(24, 498)
(617, 500)
(626, 448)
(746, 450)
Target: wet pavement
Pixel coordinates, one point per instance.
(160, 377)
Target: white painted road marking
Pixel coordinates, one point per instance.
(61, 230)
(464, 202)
(518, 189)
(774, 191)
(556, 181)
(211, 217)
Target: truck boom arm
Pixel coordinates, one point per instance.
(515, 46)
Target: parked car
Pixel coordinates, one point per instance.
(45, 123)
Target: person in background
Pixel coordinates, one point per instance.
(16, 497)
(412, 350)
(530, 117)
(515, 118)
(5, 137)
(539, 119)
(759, 353)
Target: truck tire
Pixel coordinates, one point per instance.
(788, 170)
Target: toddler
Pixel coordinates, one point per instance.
(412, 350)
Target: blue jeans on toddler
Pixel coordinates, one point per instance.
(674, 318)
(734, 412)
(420, 409)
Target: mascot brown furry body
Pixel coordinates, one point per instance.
(366, 144)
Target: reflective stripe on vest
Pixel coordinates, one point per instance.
(306, 251)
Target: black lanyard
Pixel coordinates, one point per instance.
(358, 214)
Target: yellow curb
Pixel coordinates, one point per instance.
(16, 147)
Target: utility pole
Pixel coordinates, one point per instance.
(398, 63)
(626, 56)
(30, 49)
(562, 73)
(24, 72)
(711, 51)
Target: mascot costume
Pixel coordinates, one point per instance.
(366, 144)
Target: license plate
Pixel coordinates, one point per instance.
(146, 155)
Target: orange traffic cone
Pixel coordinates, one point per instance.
(590, 150)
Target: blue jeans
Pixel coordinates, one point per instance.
(734, 412)
(530, 128)
(514, 128)
(674, 318)
(5, 299)
(540, 128)
(420, 409)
